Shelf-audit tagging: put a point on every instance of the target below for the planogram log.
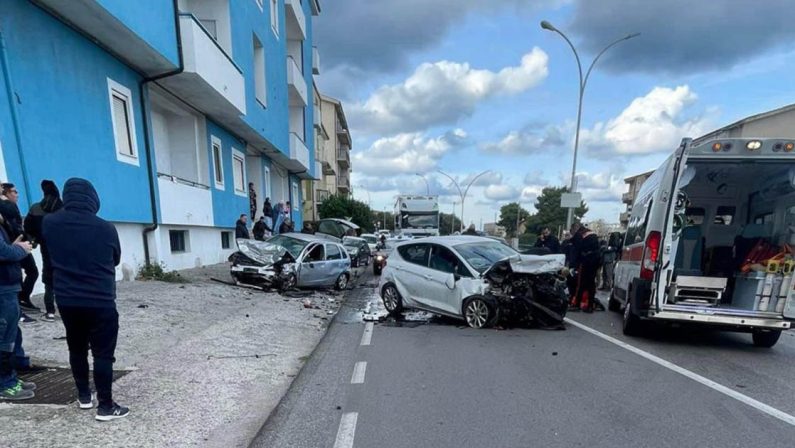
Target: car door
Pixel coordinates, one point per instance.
(312, 265)
(410, 275)
(443, 262)
(334, 264)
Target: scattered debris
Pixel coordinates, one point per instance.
(554, 353)
(240, 356)
(307, 303)
(143, 305)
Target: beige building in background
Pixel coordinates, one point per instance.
(332, 155)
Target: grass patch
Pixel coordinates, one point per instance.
(158, 272)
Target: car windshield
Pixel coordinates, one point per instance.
(425, 220)
(370, 239)
(482, 255)
(293, 245)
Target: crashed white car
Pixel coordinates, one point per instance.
(291, 260)
(476, 279)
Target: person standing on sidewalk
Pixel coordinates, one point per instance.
(50, 203)
(267, 212)
(13, 219)
(11, 387)
(241, 228)
(84, 252)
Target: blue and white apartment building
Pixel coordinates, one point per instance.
(169, 107)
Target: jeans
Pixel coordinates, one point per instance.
(49, 299)
(31, 275)
(9, 325)
(97, 328)
(20, 358)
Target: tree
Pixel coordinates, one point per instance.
(550, 214)
(343, 207)
(448, 222)
(508, 216)
(379, 217)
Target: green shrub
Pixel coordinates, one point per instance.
(158, 272)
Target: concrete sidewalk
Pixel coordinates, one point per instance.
(195, 379)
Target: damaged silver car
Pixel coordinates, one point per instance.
(291, 260)
(476, 279)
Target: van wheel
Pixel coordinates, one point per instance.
(632, 325)
(612, 303)
(766, 338)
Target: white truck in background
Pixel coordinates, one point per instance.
(416, 216)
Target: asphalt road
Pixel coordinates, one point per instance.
(437, 384)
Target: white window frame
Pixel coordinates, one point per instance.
(267, 181)
(215, 141)
(260, 4)
(117, 90)
(275, 17)
(296, 196)
(260, 71)
(237, 155)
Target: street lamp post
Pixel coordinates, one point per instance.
(427, 185)
(463, 194)
(583, 81)
(452, 219)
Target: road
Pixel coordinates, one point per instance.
(437, 384)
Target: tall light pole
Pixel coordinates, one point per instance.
(427, 185)
(452, 219)
(583, 81)
(463, 193)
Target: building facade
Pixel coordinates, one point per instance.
(633, 187)
(175, 110)
(332, 153)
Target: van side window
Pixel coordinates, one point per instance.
(764, 218)
(695, 216)
(636, 229)
(725, 215)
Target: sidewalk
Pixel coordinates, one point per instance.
(194, 380)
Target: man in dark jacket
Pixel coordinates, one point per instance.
(11, 388)
(84, 252)
(50, 203)
(260, 229)
(13, 223)
(586, 257)
(548, 240)
(241, 228)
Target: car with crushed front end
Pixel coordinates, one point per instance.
(358, 250)
(291, 260)
(476, 279)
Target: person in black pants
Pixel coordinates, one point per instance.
(13, 223)
(50, 203)
(84, 252)
(586, 257)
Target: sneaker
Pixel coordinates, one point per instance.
(108, 414)
(27, 385)
(29, 306)
(25, 319)
(16, 393)
(49, 317)
(86, 402)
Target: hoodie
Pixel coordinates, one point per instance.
(50, 203)
(84, 249)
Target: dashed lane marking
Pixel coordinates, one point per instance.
(368, 333)
(358, 372)
(346, 430)
(767, 409)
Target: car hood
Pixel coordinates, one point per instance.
(526, 264)
(264, 252)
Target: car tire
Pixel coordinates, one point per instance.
(479, 312)
(289, 282)
(392, 300)
(632, 324)
(766, 338)
(342, 282)
(612, 303)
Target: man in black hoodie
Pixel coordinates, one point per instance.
(84, 251)
(50, 203)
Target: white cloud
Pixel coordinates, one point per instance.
(652, 123)
(489, 178)
(441, 93)
(526, 141)
(599, 187)
(406, 153)
(501, 192)
(535, 178)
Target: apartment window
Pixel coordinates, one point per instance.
(179, 240)
(239, 172)
(218, 166)
(123, 123)
(296, 198)
(226, 240)
(260, 4)
(275, 16)
(266, 179)
(260, 81)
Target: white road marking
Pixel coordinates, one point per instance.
(358, 372)
(346, 430)
(767, 409)
(368, 333)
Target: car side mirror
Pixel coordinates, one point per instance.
(450, 281)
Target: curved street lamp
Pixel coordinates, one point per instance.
(463, 194)
(583, 81)
(427, 185)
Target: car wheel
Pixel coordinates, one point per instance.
(766, 338)
(632, 325)
(612, 303)
(342, 282)
(479, 313)
(392, 300)
(289, 282)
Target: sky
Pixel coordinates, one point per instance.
(466, 86)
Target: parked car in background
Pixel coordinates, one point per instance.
(358, 250)
(336, 228)
(382, 253)
(372, 241)
(291, 260)
(475, 279)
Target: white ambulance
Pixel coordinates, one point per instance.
(710, 240)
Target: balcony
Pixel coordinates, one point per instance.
(328, 169)
(624, 218)
(211, 82)
(343, 134)
(299, 155)
(296, 84)
(317, 117)
(315, 61)
(318, 170)
(296, 21)
(344, 184)
(344, 158)
(627, 198)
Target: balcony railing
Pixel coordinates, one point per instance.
(626, 198)
(344, 158)
(296, 84)
(296, 20)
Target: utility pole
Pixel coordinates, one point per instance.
(452, 219)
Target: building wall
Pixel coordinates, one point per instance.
(227, 204)
(152, 20)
